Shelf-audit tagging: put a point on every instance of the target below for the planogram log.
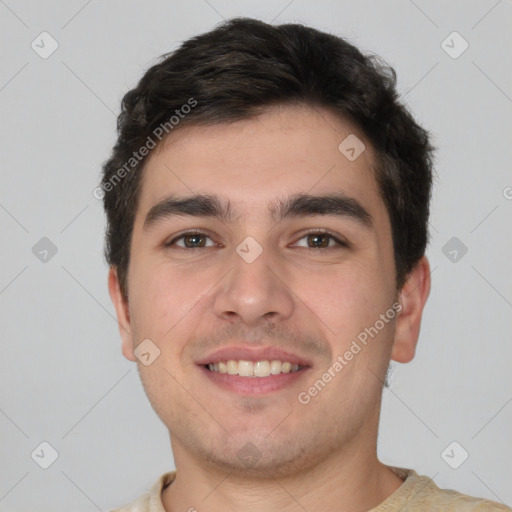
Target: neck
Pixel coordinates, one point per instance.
(350, 481)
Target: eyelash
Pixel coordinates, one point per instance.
(309, 233)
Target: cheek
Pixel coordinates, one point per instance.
(345, 297)
(347, 303)
(162, 295)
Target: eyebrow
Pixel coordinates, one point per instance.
(298, 205)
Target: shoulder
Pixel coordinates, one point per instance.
(141, 504)
(150, 501)
(420, 493)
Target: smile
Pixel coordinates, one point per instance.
(244, 368)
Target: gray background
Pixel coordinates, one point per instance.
(63, 377)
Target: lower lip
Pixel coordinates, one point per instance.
(253, 385)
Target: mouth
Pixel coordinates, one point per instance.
(259, 369)
(250, 371)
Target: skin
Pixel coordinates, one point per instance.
(189, 302)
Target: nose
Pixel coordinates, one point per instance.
(255, 290)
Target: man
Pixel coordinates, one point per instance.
(267, 205)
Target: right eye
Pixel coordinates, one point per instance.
(191, 240)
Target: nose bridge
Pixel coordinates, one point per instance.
(254, 287)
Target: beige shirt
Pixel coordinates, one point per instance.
(417, 493)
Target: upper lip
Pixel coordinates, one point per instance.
(253, 354)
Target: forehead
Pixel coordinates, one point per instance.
(282, 152)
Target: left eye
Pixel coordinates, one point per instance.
(320, 241)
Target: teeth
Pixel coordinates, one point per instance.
(275, 367)
(261, 369)
(286, 367)
(250, 369)
(245, 368)
(232, 367)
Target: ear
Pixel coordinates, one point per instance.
(123, 314)
(412, 297)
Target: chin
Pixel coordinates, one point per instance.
(261, 459)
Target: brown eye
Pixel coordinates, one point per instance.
(191, 240)
(321, 240)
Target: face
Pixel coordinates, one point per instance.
(267, 276)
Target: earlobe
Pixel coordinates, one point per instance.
(123, 314)
(412, 298)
